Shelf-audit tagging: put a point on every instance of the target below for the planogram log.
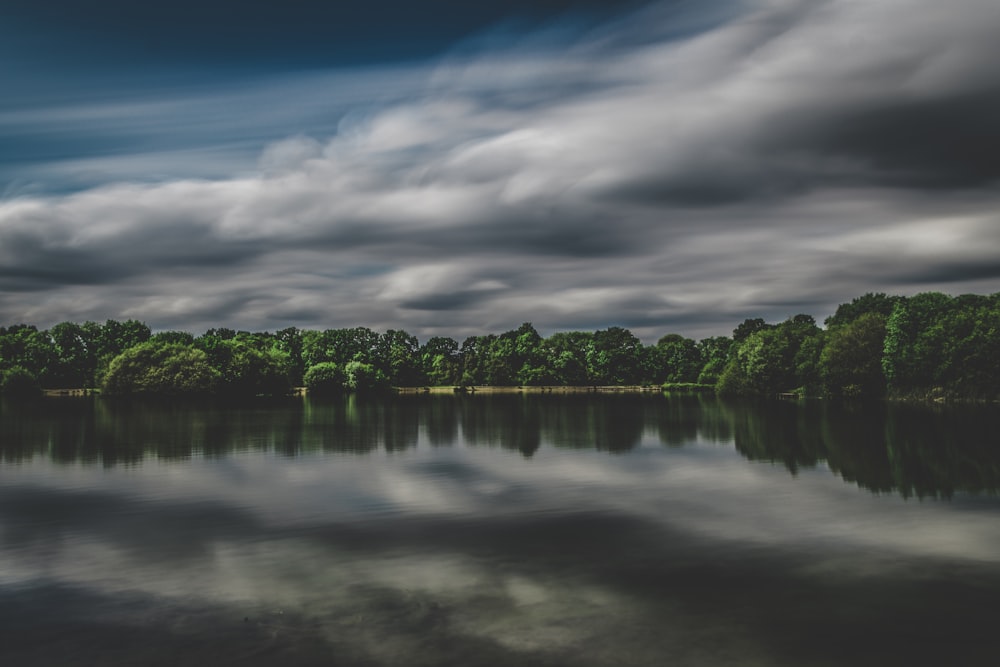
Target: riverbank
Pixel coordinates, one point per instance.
(553, 389)
(476, 389)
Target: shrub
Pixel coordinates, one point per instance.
(363, 378)
(163, 369)
(325, 378)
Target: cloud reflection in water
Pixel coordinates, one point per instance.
(477, 553)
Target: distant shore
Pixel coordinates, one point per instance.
(553, 389)
(450, 389)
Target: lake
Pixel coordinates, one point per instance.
(577, 530)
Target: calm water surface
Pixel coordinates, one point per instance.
(503, 530)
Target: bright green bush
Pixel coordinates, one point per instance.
(365, 378)
(325, 379)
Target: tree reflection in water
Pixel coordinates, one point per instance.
(584, 530)
(913, 450)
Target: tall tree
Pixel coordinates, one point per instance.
(396, 355)
(851, 361)
(566, 357)
(614, 357)
(439, 361)
(715, 352)
(680, 358)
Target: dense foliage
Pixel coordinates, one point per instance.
(325, 379)
(930, 346)
(162, 369)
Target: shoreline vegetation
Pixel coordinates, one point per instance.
(482, 389)
(928, 347)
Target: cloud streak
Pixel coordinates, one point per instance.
(779, 158)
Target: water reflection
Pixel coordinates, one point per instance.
(914, 450)
(495, 530)
(909, 449)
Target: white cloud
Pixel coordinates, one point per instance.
(758, 162)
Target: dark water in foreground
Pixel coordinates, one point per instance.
(503, 530)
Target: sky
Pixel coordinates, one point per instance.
(455, 168)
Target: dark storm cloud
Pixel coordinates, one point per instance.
(661, 169)
(937, 141)
(959, 271)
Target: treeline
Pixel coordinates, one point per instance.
(930, 345)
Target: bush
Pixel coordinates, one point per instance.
(162, 369)
(325, 379)
(364, 378)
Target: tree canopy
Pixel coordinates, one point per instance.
(929, 345)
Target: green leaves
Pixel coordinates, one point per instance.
(775, 359)
(325, 379)
(163, 369)
(943, 346)
(851, 361)
(928, 345)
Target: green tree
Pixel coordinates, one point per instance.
(439, 361)
(76, 355)
(973, 348)
(871, 303)
(397, 356)
(325, 379)
(25, 346)
(715, 353)
(222, 333)
(680, 358)
(167, 369)
(915, 341)
(253, 372)
(113, 338)
(475, 360)
(365, 378)
(249, 365)
(179, 337)
(339, 345)
(116, 337)
(732, 381)
(614, 357)
(851, 361)
(566, 357)
(289, 341)
(529, 358)
(749, 327)
(780, 358)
